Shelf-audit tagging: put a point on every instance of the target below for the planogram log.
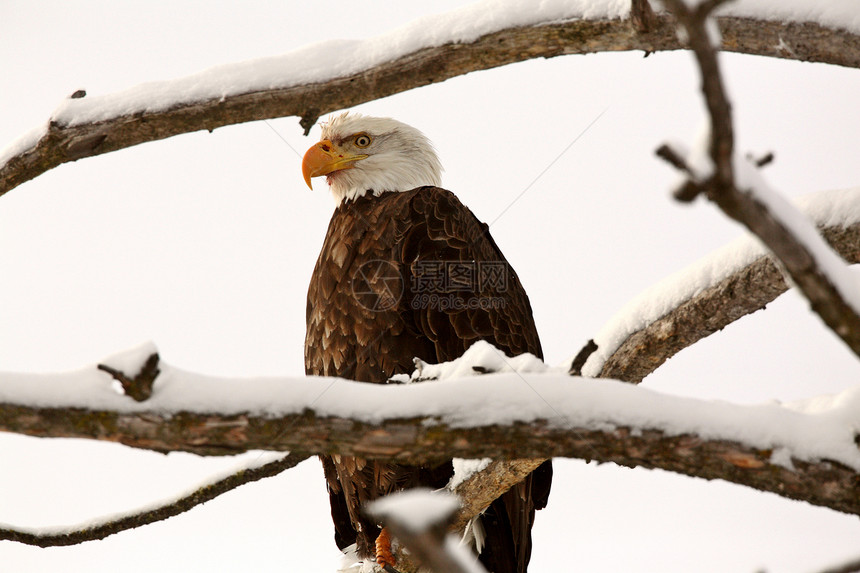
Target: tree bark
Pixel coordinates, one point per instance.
(415, 441)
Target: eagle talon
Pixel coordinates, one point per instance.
(384, 556)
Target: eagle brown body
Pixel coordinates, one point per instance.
(366, 322)
(406, 271)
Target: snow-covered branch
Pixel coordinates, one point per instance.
(736, 186)
(704, 298)
(802, 451)
(319, 79)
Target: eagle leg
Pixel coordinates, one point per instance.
(384, 555)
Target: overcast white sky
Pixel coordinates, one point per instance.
(205, 243)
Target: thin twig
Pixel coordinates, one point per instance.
(797, 257)
(133, 520)
(582, 357)
(138, 386)
(642, 16)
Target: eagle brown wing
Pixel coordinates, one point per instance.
(462, 289)
(458, 284)
(405, 275)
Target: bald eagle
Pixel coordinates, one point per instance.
(406, 271)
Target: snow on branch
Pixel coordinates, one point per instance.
(710, 294)
(737, 187)
(319, 79)
(801, 451)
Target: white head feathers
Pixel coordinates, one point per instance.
(399, 157)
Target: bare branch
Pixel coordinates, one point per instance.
(642, 16)
(63, 143)
(762, 161)
(137, 386)
(673, 158)
(92, 532)
(582, 357)
(798, 257)
(479, 490)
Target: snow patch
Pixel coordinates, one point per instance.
(480, 358)
(26, 141)
(466, 468)
(352, 563)
(130, 362)
(782, 457)
(837, 14)
(416, 510)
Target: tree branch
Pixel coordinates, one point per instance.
(92, 532)
(802, 257)
(743, 292)
(62, 142)
(480, 489)
(852, 566)
(611, 436)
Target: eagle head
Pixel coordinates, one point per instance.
(360, 154)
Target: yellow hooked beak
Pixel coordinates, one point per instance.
(324, 158)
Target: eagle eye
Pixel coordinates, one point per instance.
(362, 140)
